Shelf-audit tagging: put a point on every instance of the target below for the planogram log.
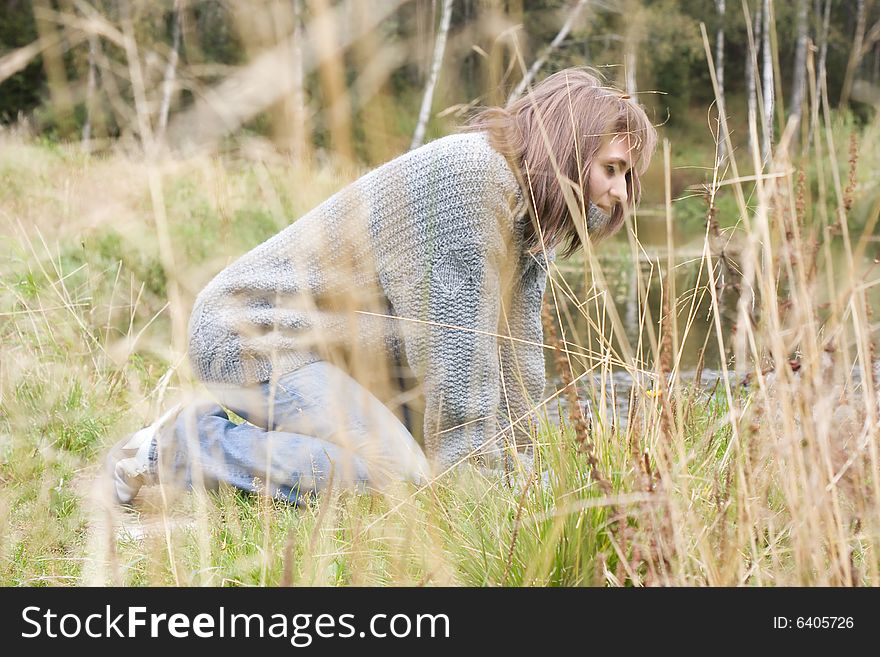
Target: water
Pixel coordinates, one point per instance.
(696, 337)
(618, 391)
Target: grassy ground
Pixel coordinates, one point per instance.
(772, 483)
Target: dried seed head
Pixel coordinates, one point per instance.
(853, 163)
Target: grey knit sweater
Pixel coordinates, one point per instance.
(425, 252)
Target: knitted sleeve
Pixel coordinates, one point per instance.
(522, 370)
(456, 354)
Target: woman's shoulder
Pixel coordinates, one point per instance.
(476, 143)
(468, 152)
(460, 149)
(466, 148)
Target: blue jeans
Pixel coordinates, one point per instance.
(310, 427)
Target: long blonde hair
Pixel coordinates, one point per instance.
(573, 112)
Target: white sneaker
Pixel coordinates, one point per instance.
(128, 463)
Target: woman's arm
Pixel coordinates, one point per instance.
(523, 375)
(455, 353)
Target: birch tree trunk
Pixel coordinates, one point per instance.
(719, 75)
(823, 47)
(767, 84)
(854, 54)
(428, 98)
(630, 62)
(752, 55)
(170, 72)
(634, 19)
(799, 79)
(542, 58)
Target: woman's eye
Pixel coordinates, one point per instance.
(609, 170)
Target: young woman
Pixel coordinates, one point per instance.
(436, 260)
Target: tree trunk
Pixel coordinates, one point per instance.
(170, 72)
(516, 12)
(470, 71)
(854, 54)
(799, 78)
(719, 75)
(630, 63)
(299, 130)
(767, 85)
(631, 38)
(91, 90)
(332, 74)
(752, 53)
(493, 77)
(428, 98)
(542, 58)
(53, 63)
(823, 48)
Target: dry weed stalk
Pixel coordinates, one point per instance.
(619, 527)
(853, 165)
(639, 537)
(664, 385)
(800, 202)
(652, 530)
(516, 526)
(575, 411)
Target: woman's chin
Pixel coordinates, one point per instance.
(597, 219)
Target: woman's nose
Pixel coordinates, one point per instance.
(618, 189)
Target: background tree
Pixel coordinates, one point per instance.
(799, 75)
(439, 50)
(767, 82)
(720, 8)
(81, 85)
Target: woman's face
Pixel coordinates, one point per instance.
(608, 174)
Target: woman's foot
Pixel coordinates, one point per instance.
(128, 463)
